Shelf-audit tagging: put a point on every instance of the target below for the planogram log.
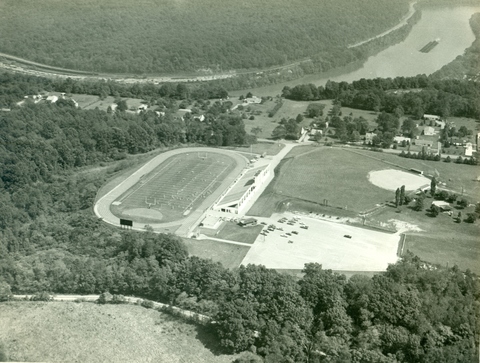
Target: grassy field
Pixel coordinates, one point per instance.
(174, 188)
(229, 255)
(437, 240)
(290, 109)
(86, 332)
(232, 231)
(332, 174)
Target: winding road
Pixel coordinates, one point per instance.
(402, 23)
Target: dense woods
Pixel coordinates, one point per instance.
(170, 36)
(408, 95)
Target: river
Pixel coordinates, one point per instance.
(449, 24)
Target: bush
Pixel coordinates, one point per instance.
(42, 296)
(471, 218)
(104, 298)
(147, 304)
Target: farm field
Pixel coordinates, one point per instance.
(174, 188)
(229, 255)
(86, 332)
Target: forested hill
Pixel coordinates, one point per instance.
(167, 36)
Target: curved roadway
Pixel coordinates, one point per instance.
(102, 206)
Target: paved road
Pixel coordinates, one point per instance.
(402, 22)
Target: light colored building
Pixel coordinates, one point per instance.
(400, 139)
(429, 131)
(431, 117)
(243, 190)
(468, 149)
(52, 98)
(369, 137)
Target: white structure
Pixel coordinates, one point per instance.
(52, 98)
(431, 117)
(429, 131)
(369, 136)
(468, 149)
(400, 139)
(243, 190)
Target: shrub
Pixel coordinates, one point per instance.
(471, 218)
(104, 298)
(41, 296)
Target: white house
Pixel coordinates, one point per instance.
(369, 136)
(429, 131)
(468, 149)
(431, 117)
(400, 139)
(52, 98)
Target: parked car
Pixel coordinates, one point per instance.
(294, 232)
(347, 236)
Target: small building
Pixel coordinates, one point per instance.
(369, 137)
(431, 117)
(468, 149)
(247, 222)
(52, 98)
(444, 206)
(429, 131)
(440, 123)
(400, 139)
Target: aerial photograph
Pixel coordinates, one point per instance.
(224, 181)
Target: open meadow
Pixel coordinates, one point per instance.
(86, 332)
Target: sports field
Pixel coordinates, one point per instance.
(331, 174)
(174, 188)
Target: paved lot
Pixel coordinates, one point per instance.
(323, 242)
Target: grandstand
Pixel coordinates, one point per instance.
(235, 198)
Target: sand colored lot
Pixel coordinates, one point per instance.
(323, 242)
(392, 179)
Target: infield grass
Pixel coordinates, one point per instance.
(86, 332)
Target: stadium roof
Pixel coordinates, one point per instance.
(241, 186)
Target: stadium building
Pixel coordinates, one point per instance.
(248, 184)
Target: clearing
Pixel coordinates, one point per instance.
(86, 332)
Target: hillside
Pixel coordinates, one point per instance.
(181, 36)
(85, 332)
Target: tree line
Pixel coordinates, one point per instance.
(13, 87)
(403, 95)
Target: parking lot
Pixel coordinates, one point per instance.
(297, 240)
